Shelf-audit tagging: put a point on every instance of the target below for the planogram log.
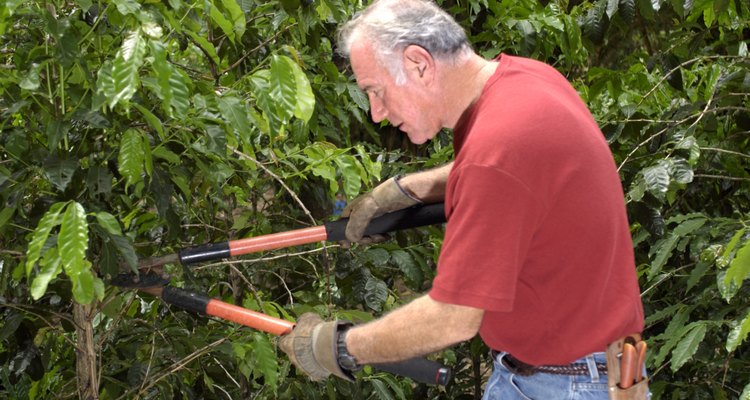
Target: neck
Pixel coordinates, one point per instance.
(462, 86)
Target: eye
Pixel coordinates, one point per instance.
(377, 93)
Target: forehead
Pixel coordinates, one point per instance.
(366, 67)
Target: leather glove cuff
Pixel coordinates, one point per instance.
(404, 191)
(325, 351)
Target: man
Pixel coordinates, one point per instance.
(537, 256)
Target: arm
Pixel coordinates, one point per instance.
(428, 186)
(420, 327)
(394, 194)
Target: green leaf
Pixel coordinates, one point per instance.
(657, 179)
(180, 92)
(376, 292)
(627, 10)
(395, 386)
(688, 345)
(266, 361)
(745, 393)
(173, 85)
(406, 264)
(682, 172)
(108, 222)
(738, 334)
(126, 7)
(358, 96)
(125, 248)
(352, 172)
(60, 172)
(739, 268)
(131, 158)
(164, 154)
(219, 19)
(6, 214)
(50, 219)
(236, 16)
(723, 261)
(305, 98)
(73, 240)
(99, 180)
(665, 247)
(377, 256)
(283, 86)
(235, 113)
(84, 285)
(381, 389)
(151, 119)
(206, 46)
(31, 80)
(120, 81)
(51, 267)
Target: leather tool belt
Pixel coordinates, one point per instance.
(625, 358)
(520, 368)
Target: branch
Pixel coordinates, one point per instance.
(736, 153)
(278, 179)
(177, 366)
(728, 178)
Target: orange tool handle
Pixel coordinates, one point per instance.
(640, 349)
(628, 366)
(204, 305)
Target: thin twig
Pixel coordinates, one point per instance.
(250, 285)
(278, 179)
(177, 366)
(29, 309)
(727, 178)
(718, 150)
(150, 360)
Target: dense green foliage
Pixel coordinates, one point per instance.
(133, 129)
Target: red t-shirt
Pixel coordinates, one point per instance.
(537, 232)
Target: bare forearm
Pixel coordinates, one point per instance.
(428, 186)
(420, 327)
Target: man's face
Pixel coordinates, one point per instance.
(407, 107)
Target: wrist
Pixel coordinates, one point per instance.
(343, 357)
(406, 192)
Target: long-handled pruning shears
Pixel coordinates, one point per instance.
(419, 369)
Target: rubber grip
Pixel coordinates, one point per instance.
(429, 214)
(185, 299)
(207, 252)
(419, 369)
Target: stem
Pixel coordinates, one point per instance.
(86, 370)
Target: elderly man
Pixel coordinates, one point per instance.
(537, 256)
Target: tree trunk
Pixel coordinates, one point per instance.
(86, 372)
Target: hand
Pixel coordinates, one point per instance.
(387, 197)
(312, 347)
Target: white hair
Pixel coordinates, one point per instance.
(392, 25)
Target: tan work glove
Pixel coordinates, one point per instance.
(387, 197)
(312, 347)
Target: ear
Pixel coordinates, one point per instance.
(419, 64)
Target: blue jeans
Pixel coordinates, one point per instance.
(505, 385)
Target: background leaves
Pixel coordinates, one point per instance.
(134, 129)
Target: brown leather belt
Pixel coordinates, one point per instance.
(519, 367)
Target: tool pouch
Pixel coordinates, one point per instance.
(637, 391)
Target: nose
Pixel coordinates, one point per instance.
(377, 109)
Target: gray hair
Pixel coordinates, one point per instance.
(392, 25)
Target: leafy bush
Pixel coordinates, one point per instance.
(134, 129)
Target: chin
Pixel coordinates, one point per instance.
(419, 139)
